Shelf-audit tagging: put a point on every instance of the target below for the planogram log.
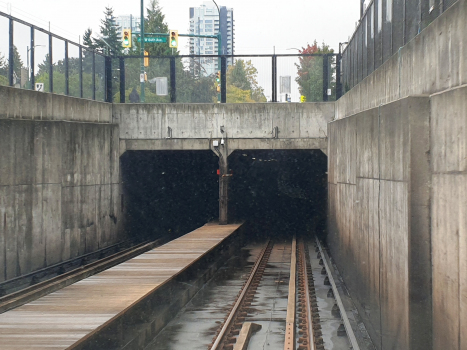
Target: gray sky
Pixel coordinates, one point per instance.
(259, 25)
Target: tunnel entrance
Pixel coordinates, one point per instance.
(281, 191)
(174, 192)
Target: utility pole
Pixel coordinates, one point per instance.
(142, 96)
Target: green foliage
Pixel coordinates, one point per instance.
(310, 72)
(109, 41)
(242, 84)
(155, 23)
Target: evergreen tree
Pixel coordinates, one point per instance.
(88, 41)
(109, 41)
(155, 23)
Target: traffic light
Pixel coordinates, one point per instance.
(173, 38)
(302, 99)
(146, 59)
(126, 37)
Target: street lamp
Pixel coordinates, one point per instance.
(27, 59)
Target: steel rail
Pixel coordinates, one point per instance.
(311, 336)
(289, 343)
(234, 310)
(348, 327)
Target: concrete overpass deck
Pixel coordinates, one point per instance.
(93, 313)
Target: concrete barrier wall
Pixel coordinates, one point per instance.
(449, 218)
(378, 228)
(435, 60)
(203, 121)
(59, 192)
(27, 104)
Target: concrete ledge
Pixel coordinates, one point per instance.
(233, 144)
(28, 104)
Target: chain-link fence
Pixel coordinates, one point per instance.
(386, 26)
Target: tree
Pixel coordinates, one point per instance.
(242, 84)
(88, 39)
(310, 72)
(109, 41)
(155, 23)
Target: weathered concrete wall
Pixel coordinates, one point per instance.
(378, 229)
(449, 218)
(59, 192)
(435, 60)
(242, 122)
(27, 104)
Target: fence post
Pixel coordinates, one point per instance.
(80, 72)
(274, 79)
(173, 85)
(11, 55)
(32, 79)
(325, 77)
(338, 77)
(122, 79)
(67, 86)
(51, 68)
(223, 79)
(108, 79)
(93, 72)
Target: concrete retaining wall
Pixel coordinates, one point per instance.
(27, 104)
(203, 121)
(378, 229)
(449, 218)
(59, 191)
(435, 60)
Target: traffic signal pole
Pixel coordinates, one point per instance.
(142, 96)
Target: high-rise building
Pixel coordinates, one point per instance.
(205, 20)
(128, 21)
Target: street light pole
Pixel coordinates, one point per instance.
(219, 48)
(142, 97)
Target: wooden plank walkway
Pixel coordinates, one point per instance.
(60, 319)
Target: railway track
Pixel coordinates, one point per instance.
(302, 318)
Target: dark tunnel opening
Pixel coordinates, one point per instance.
(173, 192)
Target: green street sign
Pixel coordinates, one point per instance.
(159, 39)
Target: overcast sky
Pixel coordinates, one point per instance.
(259, 25)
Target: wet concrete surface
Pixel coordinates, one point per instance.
(360, 331)
(329, 323)
(195, 325)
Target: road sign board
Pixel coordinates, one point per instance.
(159, 39)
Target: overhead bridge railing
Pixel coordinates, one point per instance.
(36, 59)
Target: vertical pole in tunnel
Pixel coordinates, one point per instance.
(223, 188)
(219, 147)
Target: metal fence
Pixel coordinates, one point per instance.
(243, 78)
(34, 58)
(385, 26)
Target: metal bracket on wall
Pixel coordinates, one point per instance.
(169, 132)
(275, 132)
